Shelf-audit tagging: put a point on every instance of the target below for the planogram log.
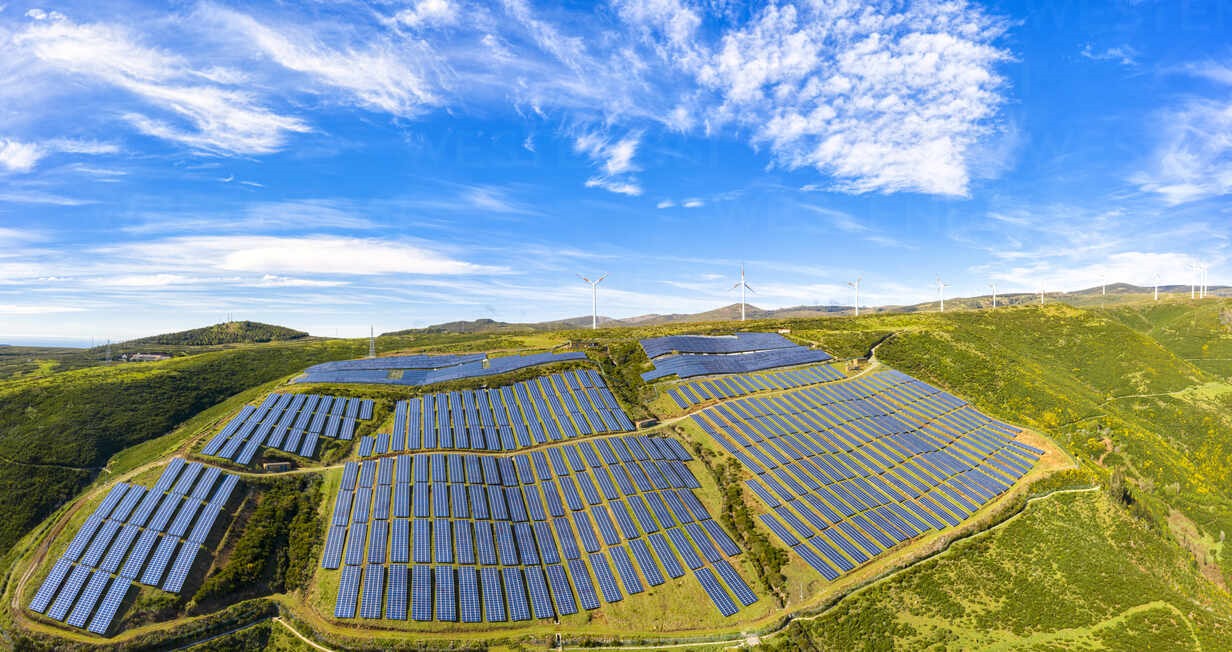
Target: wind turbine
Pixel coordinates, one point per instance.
(941, 292)
(994, 295)
(371, 341)
(742, 286)
(1041, 295)
(856, 284)
(1204, 270)
(1157, 287)
(594, 299)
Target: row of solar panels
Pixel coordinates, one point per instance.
(699, 391)
(290, 422)
(549, 408)
(150, 536)
(471, 368)
(688, 365)
(714, 344)
(508, 510)
(851, 472)
(433, 361)
(469, 595)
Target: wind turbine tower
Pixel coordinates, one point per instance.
(941, 292)
(856, 284)
(1204, 270)
(371, 341)
(594, 299)
(994, 295)
(742, 286)
(1157, 287)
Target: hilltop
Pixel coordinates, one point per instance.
(232, 332)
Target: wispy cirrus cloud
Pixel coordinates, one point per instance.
(196, 107)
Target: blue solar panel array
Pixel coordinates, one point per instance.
(418, 370)
(489, 537)
(686, 356)
(124, 540)
(290, 422)
(697, 392)
(547, 409)
(737, 343)
(854, 468)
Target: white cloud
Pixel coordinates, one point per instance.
(38, 309)
(1194, 158)
(19, 157)
(878, 99)
(1124, 54)
(23, 157)
(380, 75)
(693, 203)
(614, 158)
(428, 13)
(218, 119)
(308, 255)
(666, 203)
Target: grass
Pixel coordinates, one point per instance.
(1072, 568)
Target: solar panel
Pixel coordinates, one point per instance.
(469, 609)
(718, 596)
(373, 591)
(650, 570)
(736, 583)
(348, 592)
(493, 595)
(119, 548)
(421, 593)
(666, 557)
(561, 591)
(332, 557)
(51, 584)
(607, 582)
(158, 562)
(141, 551)
(515, 594)
(446, 596)
(110, 604)
(585, 588)
(88, 598)
(396, 596)
(624, 566)
(68, 593)
(180, 568)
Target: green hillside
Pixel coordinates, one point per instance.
(1129, 555)
(231, 332)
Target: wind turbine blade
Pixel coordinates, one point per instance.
(600, 279)
(746, 286)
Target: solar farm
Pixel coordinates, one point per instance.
(293, 423)
(152, 537)
(415, 370)
(539, 502)
(547, 409)
(493, 538)
(850, 470)
(686, 356)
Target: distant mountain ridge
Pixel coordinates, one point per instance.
(1116, 293)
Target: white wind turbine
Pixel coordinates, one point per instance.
(594, 299)
(1157, 287)
(742, 286)
(994, 294)
(1204, 270)
(856, 284)
(941, 292)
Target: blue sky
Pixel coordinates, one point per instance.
(330, 165)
